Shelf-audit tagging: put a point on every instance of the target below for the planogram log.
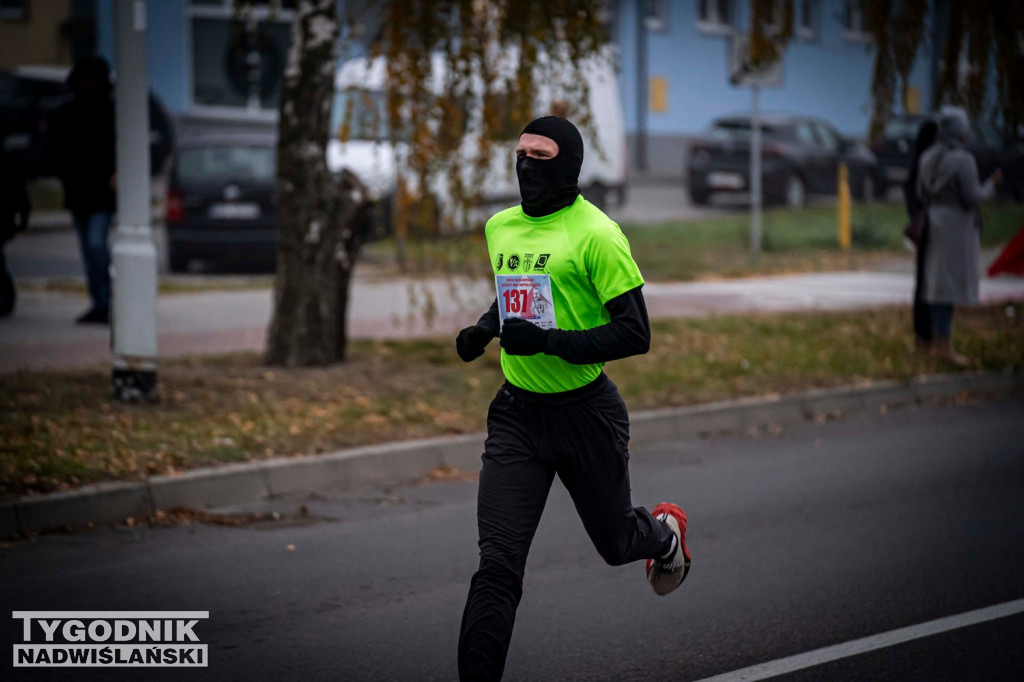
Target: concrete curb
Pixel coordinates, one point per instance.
(394, 463)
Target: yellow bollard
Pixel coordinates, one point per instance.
(845, 236)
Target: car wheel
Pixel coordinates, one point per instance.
(796, 193)
(699, 197)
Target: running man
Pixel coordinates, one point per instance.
(557, 413)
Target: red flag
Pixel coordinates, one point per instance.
(1011, 259)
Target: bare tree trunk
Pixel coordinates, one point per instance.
(318, 213)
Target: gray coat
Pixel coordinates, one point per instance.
(947, 183)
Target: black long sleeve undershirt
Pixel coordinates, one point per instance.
(490, 320)
(628, 333)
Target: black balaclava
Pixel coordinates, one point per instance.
(547, 185)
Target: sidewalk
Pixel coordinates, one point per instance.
(42, 334)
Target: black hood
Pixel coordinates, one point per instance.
(548, 185)
(90, 77)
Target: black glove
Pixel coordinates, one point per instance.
(519, 337)
(471, 341)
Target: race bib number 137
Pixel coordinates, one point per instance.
(527, 297)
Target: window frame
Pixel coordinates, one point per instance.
(716, 24)
(808, 26)
(809, 136)
(854, 31)
(828, 136)
(213, 179)
(657, 16)
(225, 10)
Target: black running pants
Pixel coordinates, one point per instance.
(582, 436)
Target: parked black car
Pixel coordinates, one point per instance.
(990, 148)
(29, 95)
(800, 156)
(222, 200)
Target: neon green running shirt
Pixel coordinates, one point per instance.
(586, 259)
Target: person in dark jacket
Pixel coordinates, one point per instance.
(81, 149)
(14, 209)
(926, 136)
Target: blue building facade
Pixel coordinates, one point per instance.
(197, 56)
(674, 72)
(673, 66)
(167, 48)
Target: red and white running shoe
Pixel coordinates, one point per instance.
(666, 575)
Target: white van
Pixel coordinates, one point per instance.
(370, 155)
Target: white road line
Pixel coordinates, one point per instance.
(764, 671)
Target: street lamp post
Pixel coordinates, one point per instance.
(641, 87)
(755, 170)
(134, 263)
(742, 72)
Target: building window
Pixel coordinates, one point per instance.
(656, 16)
(774, 25)
(239, 54)
(14, 10)
(807, 21)
(715, 16)
(854, 25)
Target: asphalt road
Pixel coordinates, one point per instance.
(814, 537)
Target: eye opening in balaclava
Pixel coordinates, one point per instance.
(548, 185)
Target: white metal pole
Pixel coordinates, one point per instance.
(641, 86)
(134, 262)
(755, 171)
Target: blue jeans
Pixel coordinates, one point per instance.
(7, 291)
(942, 319)
(93, 229)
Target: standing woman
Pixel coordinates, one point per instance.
(948, 185)
(926, 136)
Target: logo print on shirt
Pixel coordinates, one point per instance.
(501, 259)
(513, 262)
(527, 260)
(542, 260)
